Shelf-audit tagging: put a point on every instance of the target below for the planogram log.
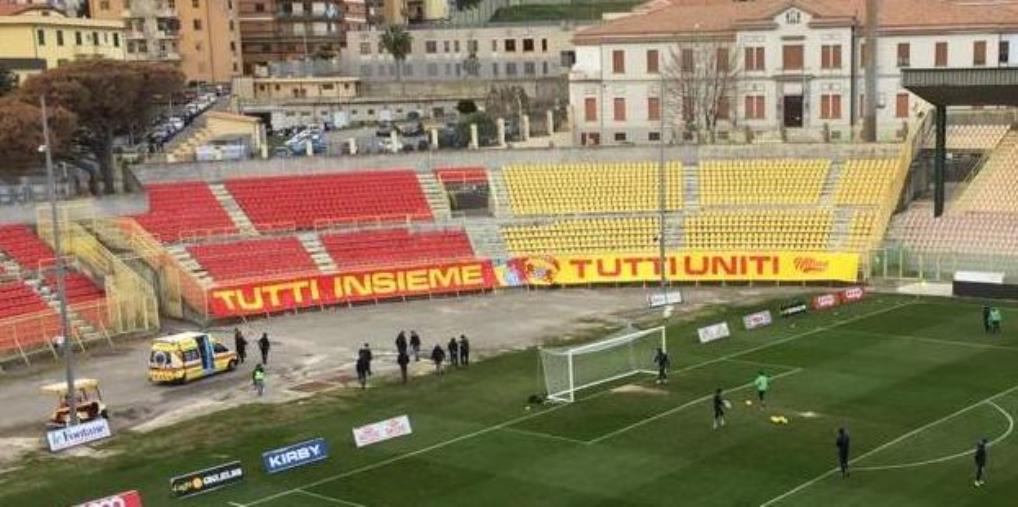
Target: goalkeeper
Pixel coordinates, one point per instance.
(663, 363)
(762, 383)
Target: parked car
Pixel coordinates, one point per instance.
(384, 129)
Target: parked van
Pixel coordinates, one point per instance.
(188, 356)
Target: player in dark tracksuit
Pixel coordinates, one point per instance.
(842, 443)
(986, 319)
(719, 409)
(663, 363)
(980, 462)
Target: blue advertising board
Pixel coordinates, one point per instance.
(296, 455)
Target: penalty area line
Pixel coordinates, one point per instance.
(885, 445)
(329, 498)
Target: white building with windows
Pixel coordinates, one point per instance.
(795, 66)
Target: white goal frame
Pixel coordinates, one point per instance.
(568, 394)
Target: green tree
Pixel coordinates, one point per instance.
(8, 80)
(109, 99)
(463, 5)
(397, 42)
(466, 107)
(487, 130)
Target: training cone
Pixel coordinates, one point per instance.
(775, 419)
(749, 402)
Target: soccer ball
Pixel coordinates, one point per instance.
(749, 403)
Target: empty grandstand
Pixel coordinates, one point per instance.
(762, 182)
(584, 236)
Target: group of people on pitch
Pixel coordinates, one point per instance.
(843, 441)
(458, 355)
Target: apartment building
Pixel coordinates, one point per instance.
(791, 67)
(34, 38)
(201, 36)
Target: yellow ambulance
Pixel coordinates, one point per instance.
(188, 356)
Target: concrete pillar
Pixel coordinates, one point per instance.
(549, 121)
(265, 150)
(395, 139)
(309, 148)
(353, 145)
(500, 124)
(570, 118)
(525, 127)
(939, 161)
(433, 134)
(474, 143)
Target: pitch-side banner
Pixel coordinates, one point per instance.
(323, 290)
(680, 267)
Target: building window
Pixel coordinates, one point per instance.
(95, 38)
(590, 109)
(654, 136)
(544, 68)
(456, 46)
(528, 45)
(568, 58)
(904, 54)
(194, 4)
(754, 60)
(529, 68)
(472, 46)
(60, 37)
(233, 47)
(40, 36)
(793, 17)
(791, 57)
(104, 5)
(940, 55)
(544, 45)
(901, 106)
(494, 45)
(365, 48)
(116, 40)
(510, 69)
(259, 7)
(510, 45)
(432, 69)
(830, 107)
(652, 61)
(618, 62)
(619, 109)
(755, 107)
(431, 47)
(687, 61)
(620, 137)
(1004, 52)
(653, 109)
(721, 60)
(979, 53)
(197, 24)
(830, 56)
(446, 47)
(494, 69)
(231, 25)
(77, 38)
(724, 108)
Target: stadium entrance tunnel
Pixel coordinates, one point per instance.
(958, 87)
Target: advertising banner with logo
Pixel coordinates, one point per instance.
(852, 294)
(381, 431)
(656, 299)
(713, 332)
(793, 308)
(323, 290)
(679, 267)
(203, 481)
(296, 455)
(758, 319)
(71, 436)
(126, 499)
(825, 301)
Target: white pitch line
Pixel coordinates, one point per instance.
(329, 498)
(680, 408)
(935, 341)
(516, 420)
(881, 447)
(763, 364)
(1007, 433)
(538, 434)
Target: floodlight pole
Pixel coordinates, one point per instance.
(72, 403)
(662, 193)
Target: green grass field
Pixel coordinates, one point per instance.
(916, 382)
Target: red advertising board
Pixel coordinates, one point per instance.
(825, 301)
(125, 499)
(852, 294)
(371, 285)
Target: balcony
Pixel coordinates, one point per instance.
(135, 35)
(165, 12)
(167, 34)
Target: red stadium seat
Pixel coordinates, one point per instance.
(253, 258)
(184, 209)
(461, 175)
(22, 245)
(395, 247)
(306, 201)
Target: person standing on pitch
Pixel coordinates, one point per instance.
(415, 344)
(719, 409)
(437, 356)
(762, 383)
(364, 354)
(986, 319)
(842, 443)
(454, 352)
(981, 462)
(263, 346)
(464, 350)
(663, 363)
(240, 344)
(401, 346)
(403, 360)
(995, 320)
(362, 370)
(258, 379)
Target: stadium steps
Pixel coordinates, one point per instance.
(434, 192)
(185, 259)
(237, 215)
(312, 242)
(841, 229)
(8, 267)
(830, 187)
(691, 188)
(499, 194)
(989, 174)
(86, 332)
(486, 238)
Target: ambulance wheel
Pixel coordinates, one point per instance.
(105, 414)
(232, 365)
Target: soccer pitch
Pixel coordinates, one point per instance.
(915, 381)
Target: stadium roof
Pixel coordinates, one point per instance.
(970, 87)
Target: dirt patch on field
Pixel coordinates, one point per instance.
(638, 389)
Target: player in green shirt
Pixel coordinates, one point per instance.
(994, 320)
(762, 383)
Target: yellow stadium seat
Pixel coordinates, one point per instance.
(618, 187)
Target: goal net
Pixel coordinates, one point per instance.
(569, 369)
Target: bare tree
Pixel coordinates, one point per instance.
(700, 80)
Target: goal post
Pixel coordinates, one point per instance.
(570, 369)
